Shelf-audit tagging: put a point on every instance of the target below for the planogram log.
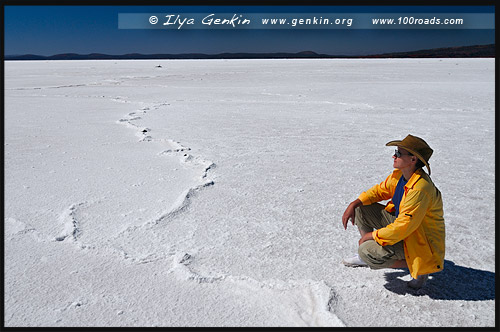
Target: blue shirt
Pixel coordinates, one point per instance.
(398, 194)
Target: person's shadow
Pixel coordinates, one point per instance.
(453, 283)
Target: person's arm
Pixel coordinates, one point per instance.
(349, 212)
(365, 237)
(375, 194)
(380, 192)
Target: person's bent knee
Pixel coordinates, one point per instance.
(368, 217)
(360, 220)
(375, 256)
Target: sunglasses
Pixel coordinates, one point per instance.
(398, 154)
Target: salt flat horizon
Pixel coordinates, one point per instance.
(210, 192)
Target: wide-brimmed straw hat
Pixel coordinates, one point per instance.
(417, 147)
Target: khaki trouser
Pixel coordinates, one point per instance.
(368, 218)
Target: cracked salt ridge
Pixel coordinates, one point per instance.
(70, 222)
(71, 226)
(14, 228)
(175, 148)
(74, 304)
(305, 302)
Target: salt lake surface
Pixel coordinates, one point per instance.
(210, 192)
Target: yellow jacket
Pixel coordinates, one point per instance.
(420, 222)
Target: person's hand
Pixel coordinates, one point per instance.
(349, 213)
(366, 237)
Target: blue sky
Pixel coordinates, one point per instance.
(48, 30)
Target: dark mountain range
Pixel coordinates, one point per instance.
(476, 51)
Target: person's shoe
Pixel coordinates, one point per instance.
(354, 261)
(419, 282)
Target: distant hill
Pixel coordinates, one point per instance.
(475, 51)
